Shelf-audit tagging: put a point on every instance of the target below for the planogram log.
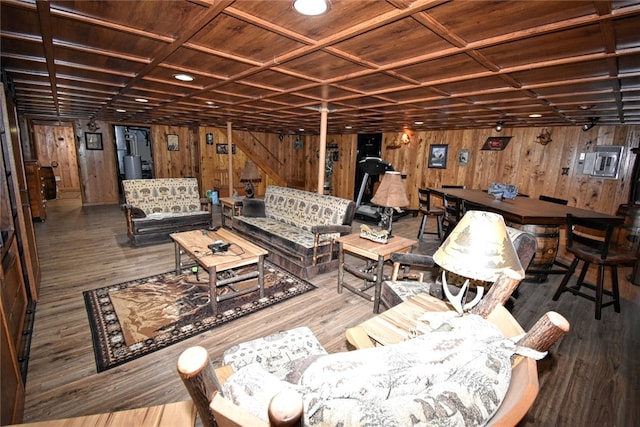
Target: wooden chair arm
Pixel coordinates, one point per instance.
(358, 337)
(326, 229)
(204, 386)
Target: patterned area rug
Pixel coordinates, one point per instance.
(135, 318)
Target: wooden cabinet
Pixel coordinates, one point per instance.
(19, 269)
(13, 306)
(36, 186)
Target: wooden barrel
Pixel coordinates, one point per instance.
(548, 239)
(628, 235)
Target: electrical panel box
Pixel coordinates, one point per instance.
(603, 162)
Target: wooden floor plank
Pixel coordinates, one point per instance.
(591, 377)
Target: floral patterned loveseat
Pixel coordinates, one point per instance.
(297, 227)
(155, 208)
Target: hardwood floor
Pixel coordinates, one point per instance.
(591, 377)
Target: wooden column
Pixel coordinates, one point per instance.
(323, 147)
(230, 157)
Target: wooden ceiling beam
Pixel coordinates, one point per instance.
(46, 31)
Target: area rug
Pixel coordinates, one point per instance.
(135, 318)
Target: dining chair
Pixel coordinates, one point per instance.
(470, 206)
(452, 213)
(553, 199)
(591, 241)
(425, 208)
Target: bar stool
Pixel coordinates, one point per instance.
(586, 242)
(425, 208)
(452, 213)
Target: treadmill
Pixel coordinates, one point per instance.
(371, 166)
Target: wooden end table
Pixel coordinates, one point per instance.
(375, 254)
(230, 207)
(241, 253)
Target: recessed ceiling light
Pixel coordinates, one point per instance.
(121, 110)
(535, 116)
(142, 100)
(311, 7)
(418, 123)
(183, 77)
(348, 127)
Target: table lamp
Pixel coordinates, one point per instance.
(479, 248)
(248, 175)
(390, 195)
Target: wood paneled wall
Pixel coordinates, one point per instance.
(97, 168)
(535, 168)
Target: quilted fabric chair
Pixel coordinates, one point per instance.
(393, 385)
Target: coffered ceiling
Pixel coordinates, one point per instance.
(376, 65)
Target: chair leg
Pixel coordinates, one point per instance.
(583, 274)
(439, 222)
(565, 279)
(423, 224)
(614, 288)
(599, 291)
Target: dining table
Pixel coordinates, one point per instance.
(541, 218)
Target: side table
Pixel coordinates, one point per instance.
(230, 207)
(375, 254)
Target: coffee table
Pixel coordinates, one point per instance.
(241, 253)
(375, 253)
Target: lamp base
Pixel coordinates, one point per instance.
(248, 187)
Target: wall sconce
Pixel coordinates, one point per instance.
(499, 126)
(405, 138)
(544, 138)
(592, 123)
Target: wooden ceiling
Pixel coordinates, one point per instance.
(378, 65)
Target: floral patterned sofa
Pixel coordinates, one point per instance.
(297, 227)
(155, 208)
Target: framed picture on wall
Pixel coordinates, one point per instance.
(224, 149)
(438, 156)
(93, 140)
(463, 157)
(172, 142)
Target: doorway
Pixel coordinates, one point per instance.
(134, 153)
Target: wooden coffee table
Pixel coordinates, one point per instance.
(241, 253)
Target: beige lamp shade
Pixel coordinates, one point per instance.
(480, 248)
(391, 193)
(250, 172)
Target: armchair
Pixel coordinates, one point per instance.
(381, 383)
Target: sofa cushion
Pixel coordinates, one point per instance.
(304, 209)
(285, 235)
(275, 352)
(163, 195)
